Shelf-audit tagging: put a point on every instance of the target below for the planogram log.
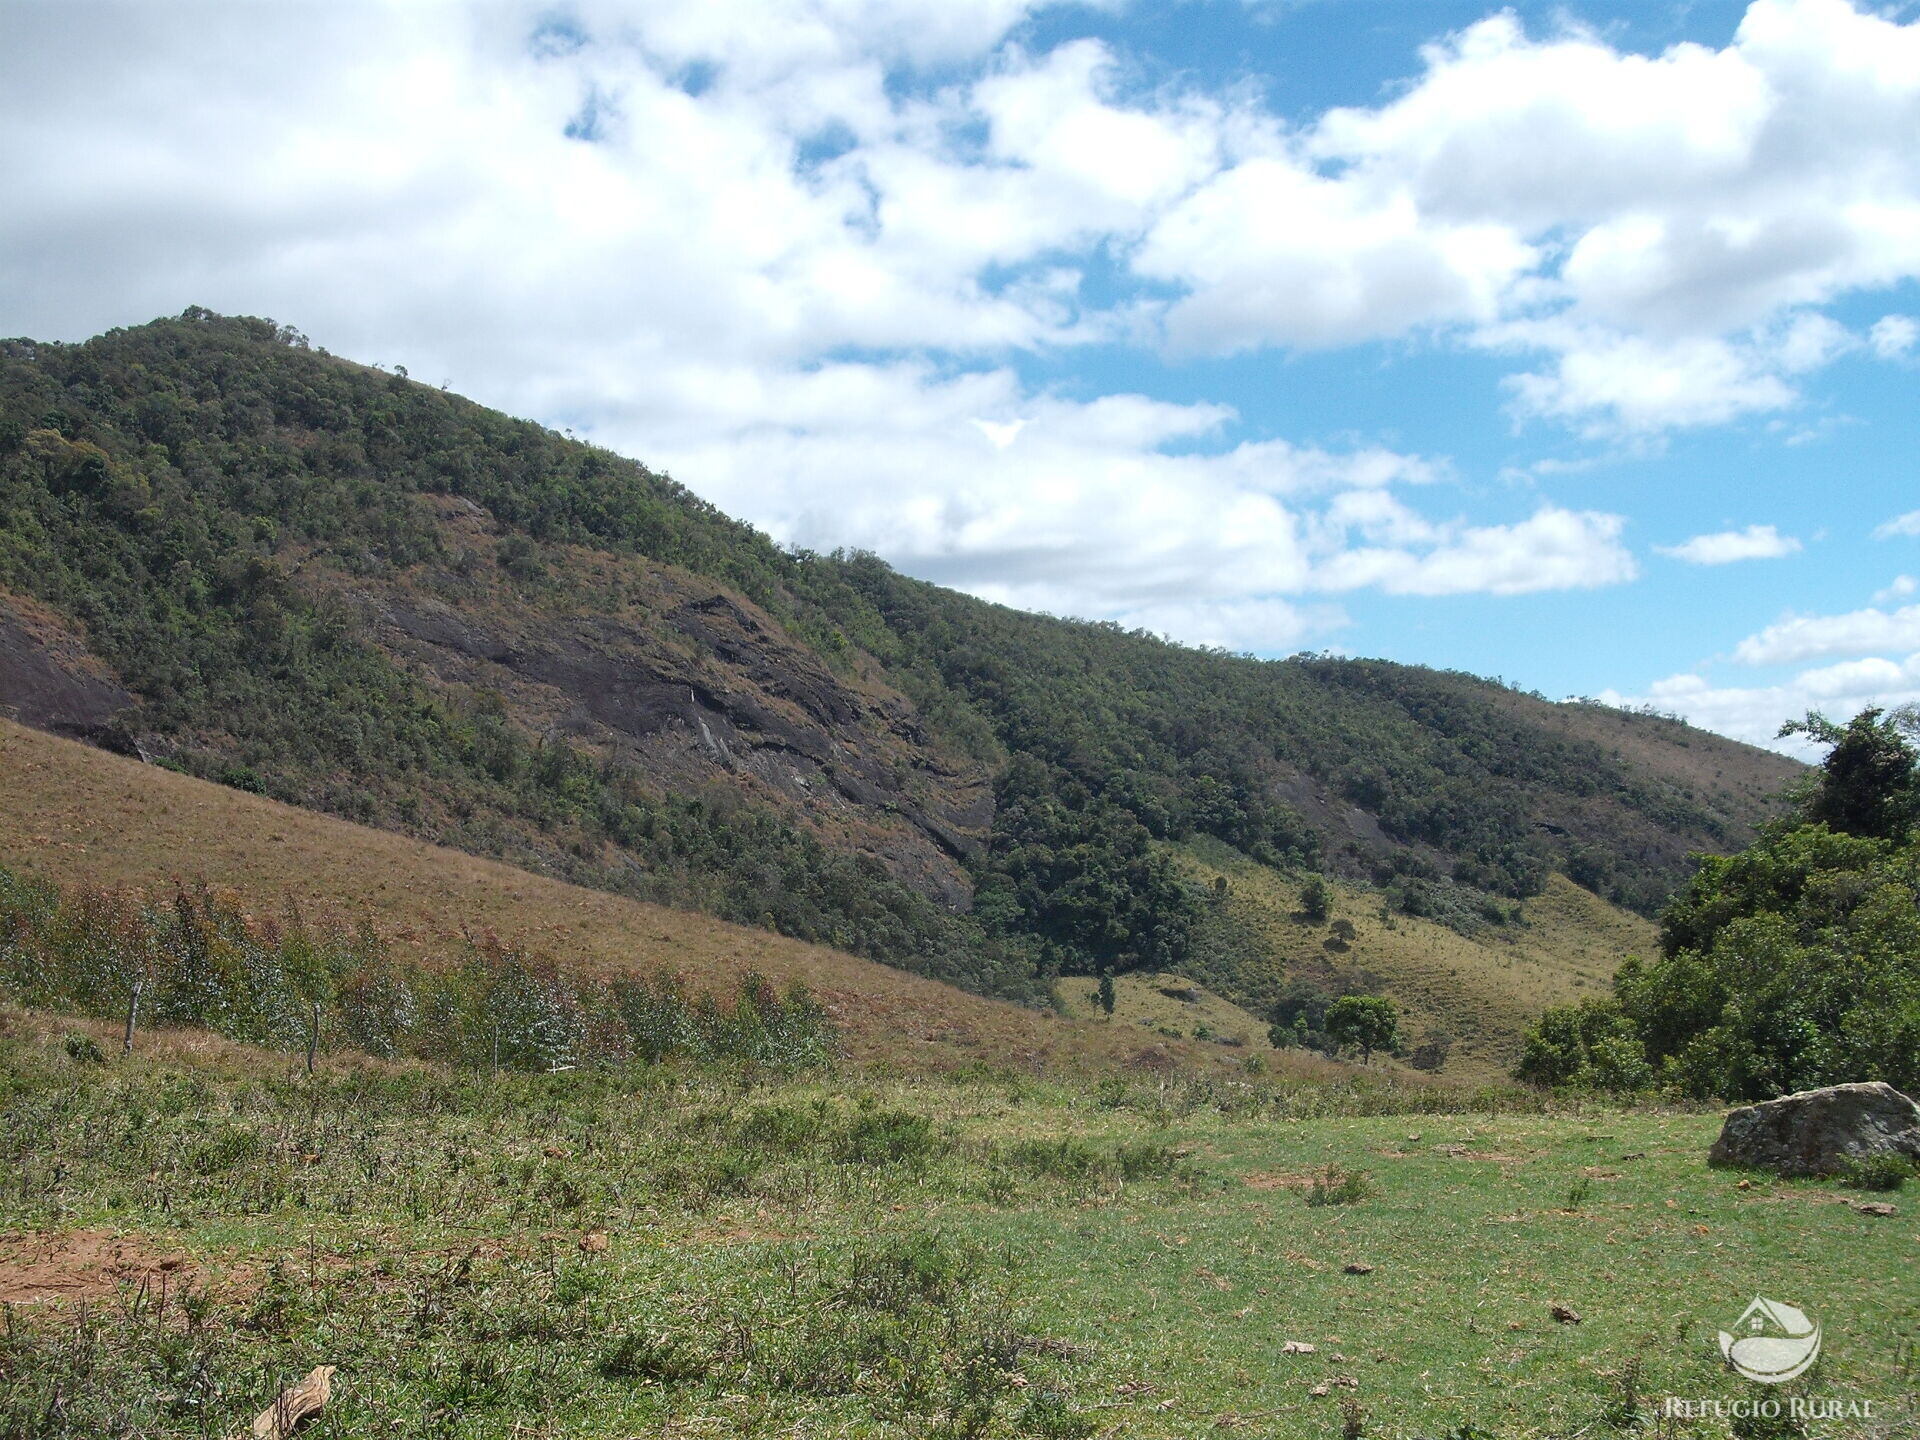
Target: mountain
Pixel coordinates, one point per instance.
(225, 552)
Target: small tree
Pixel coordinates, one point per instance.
(1106, 991)
(1371, 1022)
(1315, 901)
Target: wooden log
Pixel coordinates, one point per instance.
(294, 1406)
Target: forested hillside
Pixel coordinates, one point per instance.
(230, 553)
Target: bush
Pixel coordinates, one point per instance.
(84, 1049)
(1884, 1171)
(1338, 1186)
(1592, 1045)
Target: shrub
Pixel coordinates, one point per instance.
(887, 1137)
(1882, 1171)
(1338, 1186)
(84, 1049)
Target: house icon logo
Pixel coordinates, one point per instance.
(1771, 1342)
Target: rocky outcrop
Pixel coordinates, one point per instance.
(1816, 1132)
(48, 679)
(699, 688)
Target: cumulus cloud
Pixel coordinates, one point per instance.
(1755, 713)
(786, 248)
(1893, 336)
(1807, 637)
(1907, 524)
(1657, 225)
(1756, 542)
(1553, 549)
(1097, 509)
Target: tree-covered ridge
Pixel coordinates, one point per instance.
(1792, 964)
(183, 490)
(1262, 754)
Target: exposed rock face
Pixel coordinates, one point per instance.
(1817, 1131)
(698, 686)
(48, 681)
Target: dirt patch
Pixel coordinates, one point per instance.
(37, 1267)
(1279, 1180)
(742, 1235)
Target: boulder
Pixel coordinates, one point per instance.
(1817, 1131)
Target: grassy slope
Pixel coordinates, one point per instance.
(70, 812)
(1158, 1004)
(73, 813)
(1482, 991)
(426, 1243)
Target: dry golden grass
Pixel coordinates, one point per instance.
(72, 813)
(1154, 1004)
(1738, 779)
(1483, 991)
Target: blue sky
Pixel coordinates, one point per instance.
(1572, 343)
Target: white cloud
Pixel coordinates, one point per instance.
(1754, 714)
(1273, 253)
(761, 195)
(1079, 508)
(1892, 336)
(1265, 625)
(1899, 589)
(1756, 542)
(1605, 381)
(1554, 549)
(1658, 225)
(1808, 637)
(1907, 524)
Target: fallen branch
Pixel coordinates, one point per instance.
(294, 1406)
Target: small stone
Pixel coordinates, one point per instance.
(1566, 1316)
(1298, 1347)
(594, 1241)
(1318, 1390)
(1359, 1268)
(1876, 1207)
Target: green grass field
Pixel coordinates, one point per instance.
(852, 1254)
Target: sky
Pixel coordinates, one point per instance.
(1574, 343)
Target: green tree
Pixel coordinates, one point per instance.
(1868, 783)
(1792, 964)
(1593, 1045)
(1368, 1022)
(1106, 991)
(1315, 901)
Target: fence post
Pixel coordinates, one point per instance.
(133, 1017)
(313, 1036)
